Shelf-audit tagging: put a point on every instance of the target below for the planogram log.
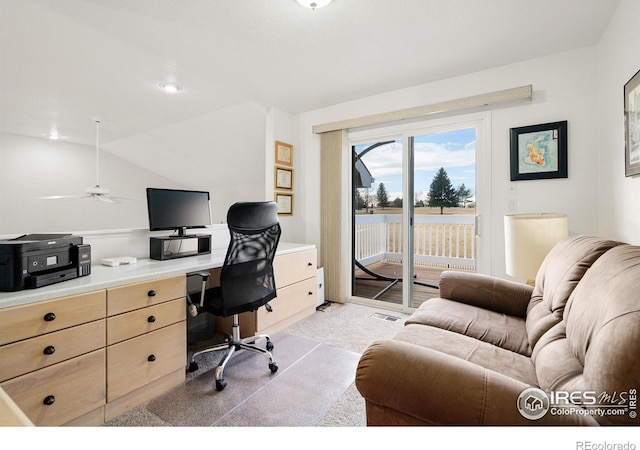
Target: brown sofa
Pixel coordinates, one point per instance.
(497, 352)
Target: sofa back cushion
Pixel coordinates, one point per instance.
(596, 347)
(557, 277)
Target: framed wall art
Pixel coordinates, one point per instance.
(632, 126)
(539, 151)
(285, 203)
(284, 154)
(283, 178)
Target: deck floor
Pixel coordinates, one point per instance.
(425, 274)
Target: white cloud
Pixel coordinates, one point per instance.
(387, 160)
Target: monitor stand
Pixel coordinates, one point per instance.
(170, 247)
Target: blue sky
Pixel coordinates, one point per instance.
(453, 150)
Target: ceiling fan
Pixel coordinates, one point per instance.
(96, 192)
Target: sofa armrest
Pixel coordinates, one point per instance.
(496, 294)
(407, 384)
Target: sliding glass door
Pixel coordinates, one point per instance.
(414, 210)
(378, 220)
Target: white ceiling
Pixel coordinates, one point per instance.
(64, 63)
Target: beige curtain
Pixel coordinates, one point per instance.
(333, 188)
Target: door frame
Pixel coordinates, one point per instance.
(481, 121)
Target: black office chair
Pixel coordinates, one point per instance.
(246, 280)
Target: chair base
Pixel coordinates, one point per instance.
(234, 344)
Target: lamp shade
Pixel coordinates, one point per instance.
(528, 239)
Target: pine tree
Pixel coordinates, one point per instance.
(360, 201)
(464, 193)
(382, 196)
(441, 192)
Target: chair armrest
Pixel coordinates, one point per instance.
(496, 294)
(404, 383)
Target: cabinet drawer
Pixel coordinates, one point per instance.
(293, 267)
(25, 321)
(72, 388)
(42, 351)
(290, 300)
(139, 295)
(141, 321)
(132, 364)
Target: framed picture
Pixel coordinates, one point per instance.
(284, 154)
(539, 151)
(283, 178)
(632, 126)
(285, 203)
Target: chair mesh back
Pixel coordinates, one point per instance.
(246, 279)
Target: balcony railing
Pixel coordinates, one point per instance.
(440, 240)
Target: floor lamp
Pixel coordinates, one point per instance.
(528, 239)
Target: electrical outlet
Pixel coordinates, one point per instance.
(512, 206)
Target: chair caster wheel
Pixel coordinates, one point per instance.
(221, 384)
(269, 345)
(193, 366)
(273, 367)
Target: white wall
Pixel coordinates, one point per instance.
(32, 167)
(282, 126)
(618, 60)
(564, 89)
(230, 152)
(221, 152)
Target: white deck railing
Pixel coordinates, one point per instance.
(441, 240)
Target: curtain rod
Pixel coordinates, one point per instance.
(491, 98)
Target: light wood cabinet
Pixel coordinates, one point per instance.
(84, 359)
(135, 323)
(297, 294)
(62, 392)
(25, 321)
(139, 361)
(53, 358)
(43, 351)
(146, 341)
(129, 297)
(63, 361)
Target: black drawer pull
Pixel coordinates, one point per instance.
(151, 319)
(49, 400)
(310, 293)
(151, 293)
(49, 350)
(309, 264)
(151, 358)
(49, 317)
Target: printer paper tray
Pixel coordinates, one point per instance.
(36, 281)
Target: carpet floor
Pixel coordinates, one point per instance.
(317, 359)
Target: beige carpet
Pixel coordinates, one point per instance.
(317, 358)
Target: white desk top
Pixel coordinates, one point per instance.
(103, 277)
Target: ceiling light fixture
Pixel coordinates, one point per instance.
(170, 87)
(314, 4)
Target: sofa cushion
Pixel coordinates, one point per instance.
(597, 345)
(557, 277)
(484, 354)
(495, 328)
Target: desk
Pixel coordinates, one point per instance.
(119, 335)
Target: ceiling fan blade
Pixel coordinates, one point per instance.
(117, 198)
(60, 197)
(105, 199)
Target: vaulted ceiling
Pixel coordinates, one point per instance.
(64, 63)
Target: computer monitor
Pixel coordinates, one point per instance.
(177, 209)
